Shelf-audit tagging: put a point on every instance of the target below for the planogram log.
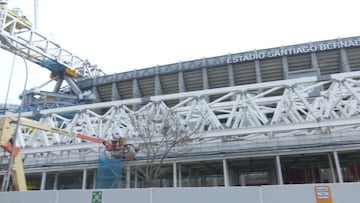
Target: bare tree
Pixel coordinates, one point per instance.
(161, 130)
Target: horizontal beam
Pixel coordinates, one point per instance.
(208, 92)
(282, 127)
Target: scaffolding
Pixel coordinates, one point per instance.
(108, 173)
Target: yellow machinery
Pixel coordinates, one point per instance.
(18, 174)
(7, 132)
(16, 13)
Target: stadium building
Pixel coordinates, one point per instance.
(284, 115)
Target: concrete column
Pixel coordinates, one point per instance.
(332, 171)
(43, 180)
(257, 71)
(56, 181)
(136, 89)
(84, 179)
(314, 61)
(279, 171)
(174, 175)
(128, 177)
(345, 67)
(338, 167)
(231, 75)
(226, 173)
(205, 82)
(182, 87)
(205, 78)
(136, 93)
(114, 92)
(158, 88)
(180, 175)
(285, 67)
(96, 93)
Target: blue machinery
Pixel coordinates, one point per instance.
(18, 36)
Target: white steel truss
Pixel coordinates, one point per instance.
(288, 110)
(19, 37)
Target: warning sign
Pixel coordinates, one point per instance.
(323, 194)
(96, 197)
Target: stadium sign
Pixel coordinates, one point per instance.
(291, 50)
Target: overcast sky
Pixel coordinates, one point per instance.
(121, 35)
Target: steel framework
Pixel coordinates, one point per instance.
(18, 36)
(289, 112)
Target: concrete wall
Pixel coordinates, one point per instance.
(340, 193)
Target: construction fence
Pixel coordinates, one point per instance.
(309, 193)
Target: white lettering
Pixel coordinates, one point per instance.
(330, 46)
(299, 50)
(336, 45)
(343, 44)
(351, 44)
(270, 54)
(292, 51)
(252, 56)
(235, 59)
(261, 55)
(276, 52)
(284, 52)
(313, 48)
(246, 58)
(322, 47)
(305, 49)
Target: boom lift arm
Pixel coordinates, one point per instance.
(7, 131)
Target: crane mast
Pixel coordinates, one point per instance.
(20, 37)
(36, 12)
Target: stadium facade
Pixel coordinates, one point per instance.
(284, 115)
